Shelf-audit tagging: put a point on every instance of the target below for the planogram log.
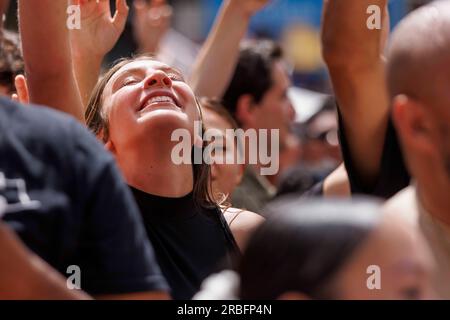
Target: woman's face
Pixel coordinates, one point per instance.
(394, 264)
(145, 101)
(225, 176)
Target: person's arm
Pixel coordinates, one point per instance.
(47, 56)
(24, 276)
(336, 184)
(217, 59)
(354, 56)
(151, 21)
(98, 34)
(242, 224)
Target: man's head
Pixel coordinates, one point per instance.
(334, 249)
(419, 85)
(257, 94)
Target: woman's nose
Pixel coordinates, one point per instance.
(158, 79)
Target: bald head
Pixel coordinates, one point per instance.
(419, 54)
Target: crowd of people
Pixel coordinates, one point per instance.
(358, 207)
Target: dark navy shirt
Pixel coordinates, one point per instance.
(69, 204)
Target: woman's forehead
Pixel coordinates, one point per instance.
(141, 66)
(144, 64)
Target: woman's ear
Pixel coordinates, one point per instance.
(108, 145)
(293, 295)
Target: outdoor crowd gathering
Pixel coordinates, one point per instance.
(133, 168)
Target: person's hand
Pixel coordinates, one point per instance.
(249, 7)
(99, 30)
(21, 94)
(151, 21)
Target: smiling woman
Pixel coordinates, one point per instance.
(120, 114)
(134, 109)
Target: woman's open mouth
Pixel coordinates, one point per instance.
(159, 98)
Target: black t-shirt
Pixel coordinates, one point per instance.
(393, 175)
(68, 203)
(190, 243)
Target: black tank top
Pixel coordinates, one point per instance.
(190, 242)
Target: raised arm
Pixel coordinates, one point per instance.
(98, 34)
(46, 51)
(218, 57)
(354, 55)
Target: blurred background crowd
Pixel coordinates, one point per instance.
(181, 27)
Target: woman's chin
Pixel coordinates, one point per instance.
(166, 121)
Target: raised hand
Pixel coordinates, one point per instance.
(99, 29)
(98, 34)
(151, 22)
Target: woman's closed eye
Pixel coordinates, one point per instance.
(129, 81)
(175, 77)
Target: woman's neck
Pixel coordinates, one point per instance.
(152, 170)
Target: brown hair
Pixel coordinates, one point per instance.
(97, 122)
(11, 59)
(253, 73)
(216, 106)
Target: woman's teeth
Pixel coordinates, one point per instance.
(161, 99)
